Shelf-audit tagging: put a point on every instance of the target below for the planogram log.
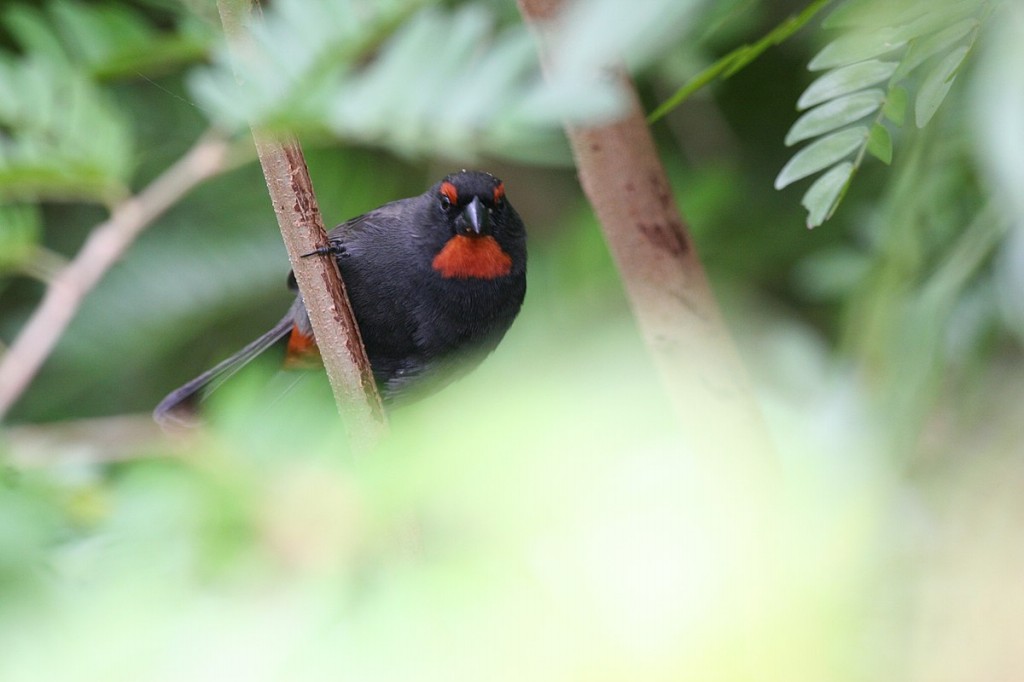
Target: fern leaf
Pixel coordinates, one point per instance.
(845, 80)
(936, 85)
(908, 35)
(895, 109)
(835, 114)
(65, 139)
(857, 47)
(447, 82)
(823, 196)
(107, 40)
(880, 143)
(932, 45)
(32, 32)
(821, 154)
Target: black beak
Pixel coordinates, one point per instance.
(475, 219)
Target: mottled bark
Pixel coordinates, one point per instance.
(669, 293)
(302, 228)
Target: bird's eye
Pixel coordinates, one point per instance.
(449, 195)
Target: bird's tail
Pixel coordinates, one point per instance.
(180, 405)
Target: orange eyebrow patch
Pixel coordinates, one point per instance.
(472, 258)
(499, 192)
(448, 189)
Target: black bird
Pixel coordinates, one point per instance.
(434, 280)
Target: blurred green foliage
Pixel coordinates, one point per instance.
(883, 51)
(544, 518)
(555, 528)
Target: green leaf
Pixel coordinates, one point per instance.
(871, 14)
(936, 85)
(823, 196)
(921, 51)
(106, 40)
(298, 47)
(895, 108)
(84, 31)
(834, 115)
(126, 24)
(20, 229)
(856, 47)
(938, 18)
(451, 82)
(33, 33)
(158, 56)
(843, 81)
(880, 143)
(31, 180)
(63, 138)
(821, 154)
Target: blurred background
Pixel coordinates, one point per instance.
(559, 528)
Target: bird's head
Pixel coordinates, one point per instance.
(484, 236)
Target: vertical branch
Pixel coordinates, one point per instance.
(302, 228)
(685, 334)
(665, 282)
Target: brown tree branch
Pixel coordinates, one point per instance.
(669, 293)
(302, 228)
(105, 245)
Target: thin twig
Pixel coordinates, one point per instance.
(323, 292)
(105, 245)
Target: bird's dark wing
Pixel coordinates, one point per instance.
(339, 238)
(357, 224)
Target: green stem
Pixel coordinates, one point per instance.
(738, 59)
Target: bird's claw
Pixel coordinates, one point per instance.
(332, 248)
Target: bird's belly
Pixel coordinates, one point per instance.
(417, 327)
(464, 320)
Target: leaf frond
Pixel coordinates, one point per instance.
(871, 76)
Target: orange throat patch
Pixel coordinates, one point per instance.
(472, 257)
